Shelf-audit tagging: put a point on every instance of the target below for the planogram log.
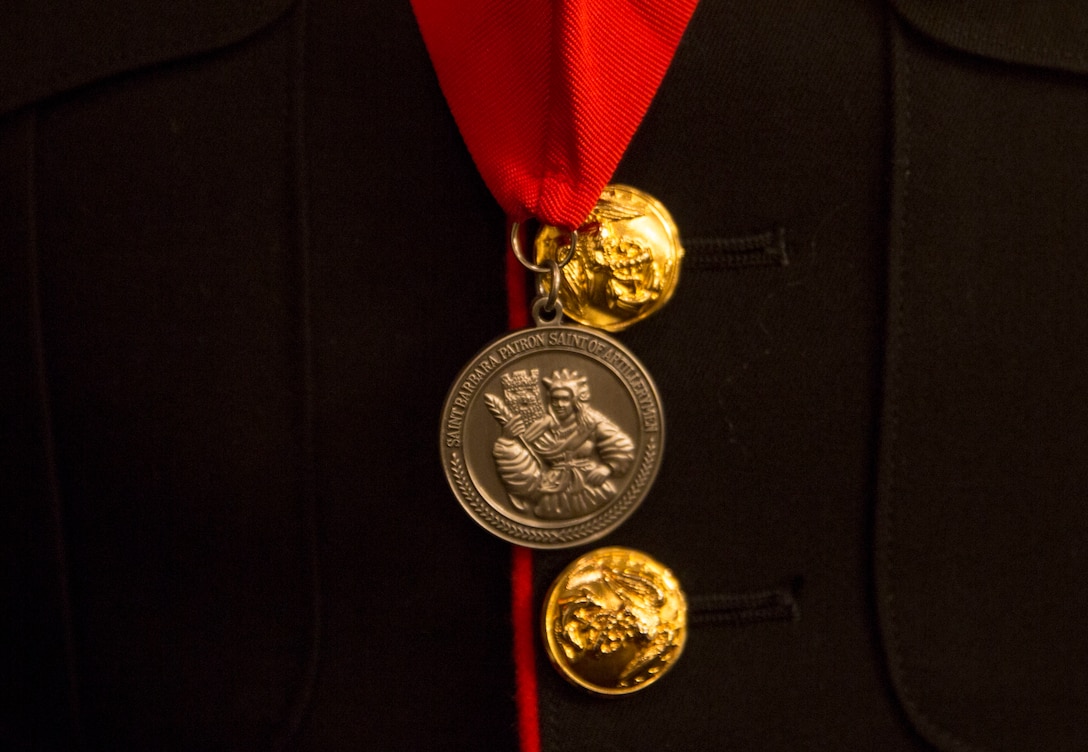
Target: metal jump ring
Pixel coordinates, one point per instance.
(515, 243)
(553, 290)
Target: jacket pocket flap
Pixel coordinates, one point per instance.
(1045, 33)
(56, 45)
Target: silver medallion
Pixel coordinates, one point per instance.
(552, 436)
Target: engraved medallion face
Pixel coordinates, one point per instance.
(615, 621)
(551, 437)
(625, 265)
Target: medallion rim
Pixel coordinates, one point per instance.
(480, 505)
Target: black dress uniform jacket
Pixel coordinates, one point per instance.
(244, 252)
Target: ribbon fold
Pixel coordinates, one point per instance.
(548, 93)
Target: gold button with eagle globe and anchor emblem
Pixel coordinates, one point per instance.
(626, 262)
(615, 621)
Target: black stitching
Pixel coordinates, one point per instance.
(294, 118)
(45, 402)
(739, 609)
(761, 249)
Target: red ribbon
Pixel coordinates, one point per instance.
(548, 93)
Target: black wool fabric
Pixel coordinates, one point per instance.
(244, 252)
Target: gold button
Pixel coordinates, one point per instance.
(625, 265)
(615, 621)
